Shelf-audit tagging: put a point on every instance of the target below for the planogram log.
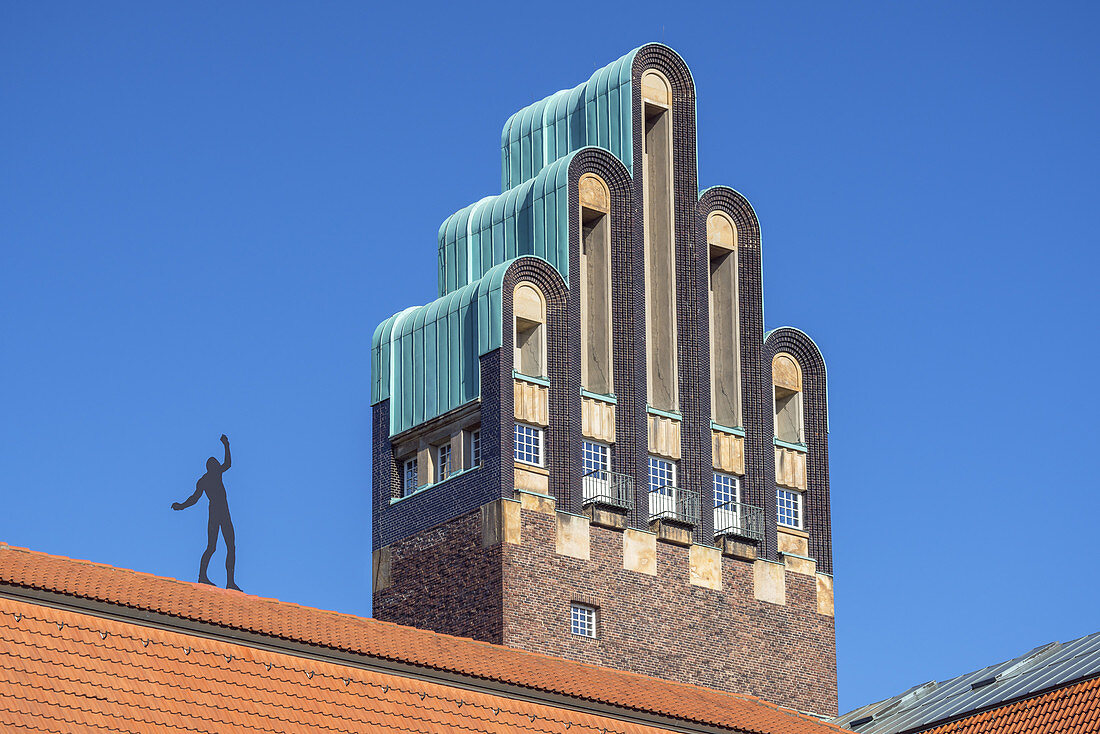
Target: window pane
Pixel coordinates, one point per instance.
(582, 620)
(595, 457)
(475, 448)
(788, 507)
(528, 445)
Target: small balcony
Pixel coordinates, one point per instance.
(736, 519)
(673, 504)
(608, 489)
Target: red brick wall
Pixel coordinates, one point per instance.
(665, 627)
(444, 581)
(657, 625)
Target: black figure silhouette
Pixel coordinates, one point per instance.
(211, 484)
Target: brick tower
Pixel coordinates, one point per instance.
(588, 446)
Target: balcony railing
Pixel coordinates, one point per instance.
(608, 488)
(675, 504)
(737, 518)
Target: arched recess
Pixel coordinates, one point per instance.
(787, 398)
(594, 280)
(529, 330)
(815, 433)
(755, 395)
(627, 305)
(562, 357)
(725, 349)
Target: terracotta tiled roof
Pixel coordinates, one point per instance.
(67, 666)
(1072, 709)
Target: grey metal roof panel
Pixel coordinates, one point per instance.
(927, 704)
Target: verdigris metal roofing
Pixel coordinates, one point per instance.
(426, 357)
(530, 219)
(596, 112)
(922, 707)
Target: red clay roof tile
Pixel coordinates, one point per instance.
(1072, 709)
(60, 669)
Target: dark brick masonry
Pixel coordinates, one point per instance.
(519, 595)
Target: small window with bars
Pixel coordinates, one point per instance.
(582, 620)
(444, 466)
(788, 507)
(409, 479)
(528, 445)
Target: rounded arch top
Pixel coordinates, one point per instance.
(721, 231)
(656, 88)
(659, 59)
(594, 193)
(528, 302)
(786, 372)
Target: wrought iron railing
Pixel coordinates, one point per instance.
(737, 518)
(673, 503)
(608, 488)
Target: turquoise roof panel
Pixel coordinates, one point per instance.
(596, 112)
(530, 219)
(425, 359)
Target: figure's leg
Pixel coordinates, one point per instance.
(230, 552)
(211, 546)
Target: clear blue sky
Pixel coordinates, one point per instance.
(205, 209)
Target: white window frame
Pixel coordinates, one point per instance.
(725, 516)
(796, 507)
(595, 465)
(444, 466)
(406, 488)
(475, 448)
(583, 619)
(662, 497)
(535, 444)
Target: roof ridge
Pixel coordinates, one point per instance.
(382, 640)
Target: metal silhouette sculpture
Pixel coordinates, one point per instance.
(219, 520)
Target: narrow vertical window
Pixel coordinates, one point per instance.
(529, 310)
(787, 381)
(663, 493)
(596, 342)
(475, 447)
(410, 479)
(582, 620)
(725, 351)
(660, 259)
(595, 465)
(443, 464)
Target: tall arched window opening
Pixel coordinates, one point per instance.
(725, 345)
(787, 381)
(596, 342)
(529, 309)
(660, 285)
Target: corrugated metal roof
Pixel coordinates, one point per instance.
(922, 706)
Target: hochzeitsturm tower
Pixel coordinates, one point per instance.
(587, 445)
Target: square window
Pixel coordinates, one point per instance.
(788, 507)
(409, 481)
(444, 466)
(582, 620)
(528, 445)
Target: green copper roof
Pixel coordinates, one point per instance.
(597, 112)
(426, 357)
(531, 219)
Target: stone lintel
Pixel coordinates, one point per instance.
(640, 551)
(799, 564)
(769, 582)
(382, 563)
(542, 503)
(500, 522)
(572, 535)
(825, 594)
(705, 567)
(606, 517)
(671, 533)
(737, 548)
